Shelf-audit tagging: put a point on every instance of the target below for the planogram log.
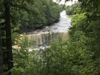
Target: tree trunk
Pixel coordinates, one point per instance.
(1, 58)
(8, 52)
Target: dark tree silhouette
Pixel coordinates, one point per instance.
(7, 42)
(1, 58)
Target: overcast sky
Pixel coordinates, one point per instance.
(67, 3)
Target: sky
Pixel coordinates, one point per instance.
(67, 3)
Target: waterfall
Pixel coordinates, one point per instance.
(47, 35)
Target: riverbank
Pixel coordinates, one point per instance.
(62, 25)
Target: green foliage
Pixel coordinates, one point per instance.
(88, 22)
(26, 60)
(78, 19)
(70, 58)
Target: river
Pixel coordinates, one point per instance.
(43, 37)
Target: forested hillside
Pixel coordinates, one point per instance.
(34, 14)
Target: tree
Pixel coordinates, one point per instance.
(1, 58)
(6, 39)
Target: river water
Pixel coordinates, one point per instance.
(45, 36)
(63, 25)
